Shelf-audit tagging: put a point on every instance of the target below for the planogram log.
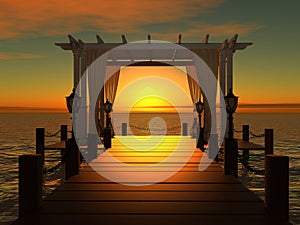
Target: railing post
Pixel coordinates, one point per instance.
(269, 141)
(72, 158)
(184, 129)
(63, 132)
(213, 146)
(246, 138)
(231, 157)
(92, 147)
(40, 143)
(107, 138)
(30, 184)
(277, 187)
(124, 129)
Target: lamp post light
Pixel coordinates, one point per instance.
(107, 108)
(231, 102)
(199, 108)
(107, 130)
(231, 145)
(71, 105)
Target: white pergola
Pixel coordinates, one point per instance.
(218, 56)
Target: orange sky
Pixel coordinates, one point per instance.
(36, 73)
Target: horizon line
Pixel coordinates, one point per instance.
(242, 108)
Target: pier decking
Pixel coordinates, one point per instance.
(190, 196)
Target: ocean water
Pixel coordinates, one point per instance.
(17, 136)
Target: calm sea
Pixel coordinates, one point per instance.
(17, 136)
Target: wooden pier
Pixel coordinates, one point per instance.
(190, 196)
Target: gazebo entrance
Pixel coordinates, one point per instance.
(217, 56)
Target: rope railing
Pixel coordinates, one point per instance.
(253, 135)
(54, 168)
(56, 134)
(250, 168)
(154, 129)
(244, 163)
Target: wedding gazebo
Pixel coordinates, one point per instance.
(218, 56)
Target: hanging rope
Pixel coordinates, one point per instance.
(154, 129)
(56, 134)
(244, 164)
(250, 168)
(256, 135)
(58, 165)
(253, 135)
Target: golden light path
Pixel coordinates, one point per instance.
(146, 167)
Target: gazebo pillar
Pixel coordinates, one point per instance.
(83, 88)
(229, 83)
(222, 73)
(230, 52)
(76, 61)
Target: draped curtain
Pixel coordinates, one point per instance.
(111, 86)
(195, 90)
(211, 58)
(111, 83)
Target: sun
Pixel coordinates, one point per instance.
(152, 104)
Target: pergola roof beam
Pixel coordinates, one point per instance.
(99, 39)
(205, 39)
(124, 40)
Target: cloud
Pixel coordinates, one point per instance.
(20, 18)
(8, 56)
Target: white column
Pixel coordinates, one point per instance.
(76, 68)
(84, 92)
(229, 70)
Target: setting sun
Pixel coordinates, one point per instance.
(153, 104)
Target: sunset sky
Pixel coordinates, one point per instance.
(36, 73)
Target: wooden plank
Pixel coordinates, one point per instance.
(249, 145)
(142, 177)
(155, 187)
(162, 196)
(57, 145)
(91, 219)
(160, 208)
(190, 196)
(167, 168)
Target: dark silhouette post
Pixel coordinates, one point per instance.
(63, 132)
(40, 143)
(184, 129)
(72, 159)
(269, 141)
(199, 108)
(124, 129)
(30, 184)
(108, 129)
(277, 187)
(231, 157)
(231, 145)
(63, 137)
(245, 138)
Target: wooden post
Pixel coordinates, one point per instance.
(231, 157)
(107, 138)
(269, 141)
(63, 132)
(72, 159)
(30, 184)
(213, 146)
(277, 187)
(246, 138)
(124, 129)
(40, 143)
(92, 147)
(184, 129)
